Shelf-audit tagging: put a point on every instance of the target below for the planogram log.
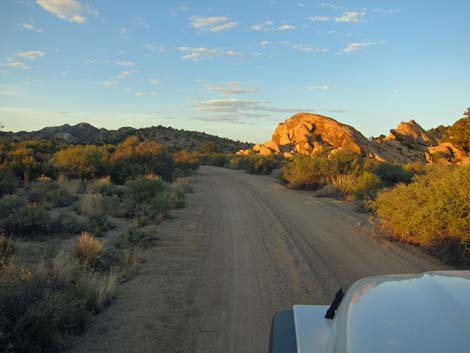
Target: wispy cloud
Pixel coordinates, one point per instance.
(68, 10)
(319, 18)
(265, 26)
(286, 27)
(306, 48)
(386, 11)
(212, 23)
(154, 81)
(351, 17)
(155, 48)
(198, 54)
(116, 79)
(14, 63)
(270, 26)
(231, 88)
(146, 94)
(126, 63)
(321, 88)
(30, 54)
(30, 27)
(356, 46)
(330, 5)
(235, 105)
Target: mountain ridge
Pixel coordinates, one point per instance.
(85, 133)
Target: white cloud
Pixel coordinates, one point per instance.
(231, 88)
(146, 94)
(154, 81)
(126, 63)
(265, 26)
(30, 27)
(321, 88)
(212, 23)
(319, 18)
(356, 46)
(30, 54)
(228, 105)
(124, 74)
(198, 54)
(69, 10)
(14, 63)
(351, 17)
(386, 11)
(108, 83)
(236, 105)
(286, 27)
(330, 5)
(305, 48)
(154, 48)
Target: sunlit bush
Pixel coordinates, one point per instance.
(432, 211)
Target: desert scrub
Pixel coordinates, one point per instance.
(40, 310)
(94, 207)
(49, 194)
(144, 188)
(432, 211)
(307, 172)
(344, 184)
(7, 248)
(26, 221)
(88, 249)
(366, 186)
(8, 183)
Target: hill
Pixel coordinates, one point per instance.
(84, 133)
(312, 134)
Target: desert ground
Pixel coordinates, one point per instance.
(244, 247)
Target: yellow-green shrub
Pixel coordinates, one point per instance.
(432, 211)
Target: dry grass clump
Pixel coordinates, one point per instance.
(88, 249)
(92, 204)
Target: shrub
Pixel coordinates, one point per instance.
(39, 311)
(392, 173)
(7, 248)
(344, 183)
(92, 205)
(8, 183)
(366, 187)
(432, 211)
(307, 172)
(88, 249)
(218, 159)
(26, 220)
(187, 161)
(79, 161)
(144, 188)
(10, 204)
(50, 193)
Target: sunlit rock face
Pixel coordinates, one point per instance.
(312, 134)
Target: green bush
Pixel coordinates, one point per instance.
(50, 194)
(39, 311)
(219, 159)
(393, 173)
(366, 187)
(432, 211)
(26, 220)
(144, 188)
(92, 204)
(306, 172)
(10, 204)
(8, 183)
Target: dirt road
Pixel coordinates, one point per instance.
(243, 248)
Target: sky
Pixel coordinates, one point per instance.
(233, 68)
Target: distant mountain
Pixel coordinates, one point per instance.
(84, 133)
(313, 134)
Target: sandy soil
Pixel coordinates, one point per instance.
(243, 248)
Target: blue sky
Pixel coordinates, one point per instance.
(235, 68)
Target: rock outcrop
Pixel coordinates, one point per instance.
(313, 134)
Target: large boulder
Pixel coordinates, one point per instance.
(313, 134)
